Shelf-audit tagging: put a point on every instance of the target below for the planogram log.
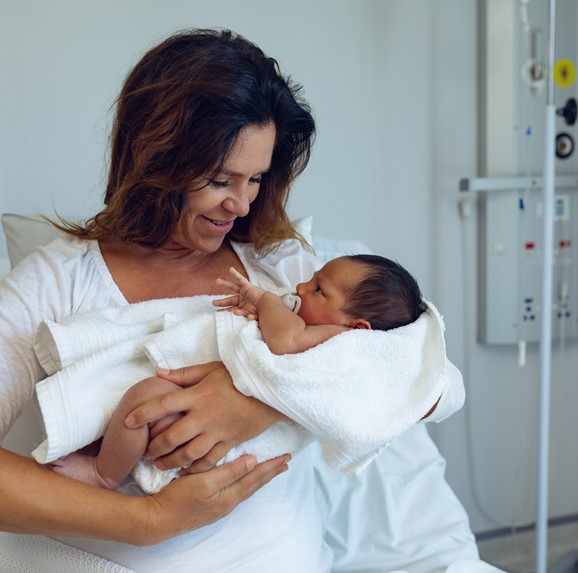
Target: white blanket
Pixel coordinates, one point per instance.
(37, 554)
(355, 392)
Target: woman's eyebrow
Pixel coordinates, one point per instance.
(231, 173)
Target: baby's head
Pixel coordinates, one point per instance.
(361, 291)
(387, 297)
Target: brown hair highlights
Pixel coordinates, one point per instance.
(178, 116)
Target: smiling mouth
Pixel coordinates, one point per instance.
(219, 223)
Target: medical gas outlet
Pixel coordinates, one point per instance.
(510, 268)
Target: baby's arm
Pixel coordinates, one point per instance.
(284, 331)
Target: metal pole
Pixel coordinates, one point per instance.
(546, 327)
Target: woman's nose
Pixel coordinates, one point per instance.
(237, 204)
(238, 201)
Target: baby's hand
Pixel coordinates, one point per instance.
(231, 303)
(244, 298)
(246, 311)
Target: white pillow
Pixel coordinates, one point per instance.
(24, 234)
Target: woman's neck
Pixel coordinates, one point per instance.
(145, 274)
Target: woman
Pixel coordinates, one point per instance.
(207, 138)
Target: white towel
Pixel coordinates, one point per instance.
(58, 345)
(101, 354)
(355, 392)
(37, 554)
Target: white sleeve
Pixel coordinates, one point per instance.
(452, 398)
(35, 290)
(56, 281)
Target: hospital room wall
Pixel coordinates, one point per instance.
(393, 87)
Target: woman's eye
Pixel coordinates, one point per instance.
(220, 184)
(256, 180)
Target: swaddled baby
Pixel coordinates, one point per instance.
(361, 292)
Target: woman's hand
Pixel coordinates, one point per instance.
(216, 417)
(39, 501)
(197, 500)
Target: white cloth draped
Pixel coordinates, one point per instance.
(355, 392)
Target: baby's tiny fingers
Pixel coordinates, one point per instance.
(238, 275)
(228, 285)
(227, 301)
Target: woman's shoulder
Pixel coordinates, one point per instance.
(53, 256)
(71, 267)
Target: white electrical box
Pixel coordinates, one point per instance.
(510, 266)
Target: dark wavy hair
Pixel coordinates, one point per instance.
(387, 297)
(177, 117)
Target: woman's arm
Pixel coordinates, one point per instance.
(33, 499)
(36, 500)
(217, 418)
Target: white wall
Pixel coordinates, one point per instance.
(393, 87)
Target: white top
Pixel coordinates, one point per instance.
(277, 529)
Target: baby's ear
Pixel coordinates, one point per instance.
(360, 323)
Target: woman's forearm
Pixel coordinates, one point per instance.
(37, 500)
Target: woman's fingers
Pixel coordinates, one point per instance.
(188, 375)
(209, 460)
(209, 415)
(243, 476)
(167, 455)
(173, 402)
(197, 500)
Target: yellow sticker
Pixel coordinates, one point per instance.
(564, 73)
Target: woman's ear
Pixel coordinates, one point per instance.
(360, 323)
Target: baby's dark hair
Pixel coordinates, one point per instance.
(388, 297)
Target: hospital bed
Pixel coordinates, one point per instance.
(399, 515)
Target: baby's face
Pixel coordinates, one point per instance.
(323, 297)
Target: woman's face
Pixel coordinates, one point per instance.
(209, 213)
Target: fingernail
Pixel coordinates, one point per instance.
(250, 463)
(163, 371)
(130, 422)
(160, 465)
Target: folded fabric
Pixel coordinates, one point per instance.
(60, 344)
(102, 356)
(355, 392)
(38, 554)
